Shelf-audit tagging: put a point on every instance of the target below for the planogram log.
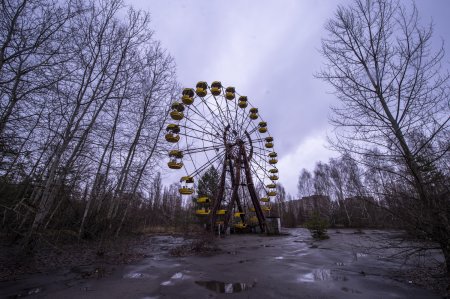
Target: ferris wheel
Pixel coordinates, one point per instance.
(213, 126)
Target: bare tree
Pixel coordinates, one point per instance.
(393, 106)
(305, 185)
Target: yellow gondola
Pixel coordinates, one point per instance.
(273, 177)
(201, 89)
(262, 127)
(239, 214)
(216, 88)
(242, 102)
(240, 225)
(175, 157)
(177, 111)
(187, 184)
(188, 96)
(230, 93)
(176, 115)
(273, 155)
(177, 106)
(271, 186)
(202, 212)
(203, 200)
(266, 209)
(264, 199)
(172, 138)
(172, 135)
(175, 165)
(253, 113)
(173, 128)
(187, 179)
(176, 153)
(253, 219)
(273, 161)
(221, 212)
(186, 191)
(273, 170)
(272, 193)
(269, 142)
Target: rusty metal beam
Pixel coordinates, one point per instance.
(252, 191)
(234, 194)
(219, 194)
(238, 200)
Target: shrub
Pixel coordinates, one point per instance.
(317, 227)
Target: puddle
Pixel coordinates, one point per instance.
(279, 258)
(225, 287)
(167, 283)
(174, 278)
(309, 277)
(28, 292)
(320, 275)
(137, 275)
(353, 291)
(360, 254)
(177, 275)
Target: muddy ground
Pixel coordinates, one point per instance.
(350, 264)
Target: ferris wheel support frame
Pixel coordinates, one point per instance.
(242, 158)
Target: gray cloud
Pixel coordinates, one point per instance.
(268, 51)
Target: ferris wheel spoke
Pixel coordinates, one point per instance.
(199, 138)
(267, 150)
(261, 156)
(228, 112)
(248, 124)
(207, 148)
(215, 116)
(253, 130)
(213, 126)
(207, 164)
(219, 109)
(258, 178)
(242, 121)
(259, 139)
(264, 170)
(202, 130)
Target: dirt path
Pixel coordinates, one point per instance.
(347, 265)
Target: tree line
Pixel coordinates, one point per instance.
(343, 193)
(84, 93)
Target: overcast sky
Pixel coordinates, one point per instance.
(268, 50)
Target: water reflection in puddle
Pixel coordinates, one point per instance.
(28, 292)
(174, 278)
(224, 287)
(317, 274)
(279, 257)
(137, 275)
(320, 275)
